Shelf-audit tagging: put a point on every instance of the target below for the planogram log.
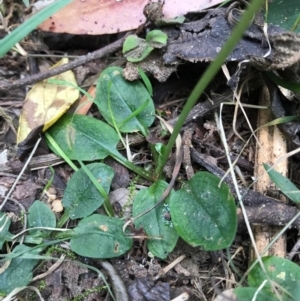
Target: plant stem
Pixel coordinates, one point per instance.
(208, 75)
(59, 151)
(63, 219)
(140, 171)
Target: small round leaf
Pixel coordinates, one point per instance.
(99, 236)
(118, 100)
(81, 197)
(204, 214)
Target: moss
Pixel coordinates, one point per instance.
(41, 285)
(88, 292)
(57, 251)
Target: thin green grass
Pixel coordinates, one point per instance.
(7, 43)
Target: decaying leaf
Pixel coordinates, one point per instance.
(44, 105)
(286, 52)
(203, 39)
(96, 17)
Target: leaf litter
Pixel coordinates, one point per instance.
(140, 267)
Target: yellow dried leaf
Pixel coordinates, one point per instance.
(46, 103)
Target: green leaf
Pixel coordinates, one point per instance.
(156, 39)
(136, 49)
(174, 21)
(154, 222)
(30, 24)
(160, 148)
(84, 138)
(282, 271)
(146, 81)
(81, 197)
(19, 271)
(107, 205)
(40, 215)
(247, 294)
(284, 15)
(4, 226)
(295, 87)
(203, 214)
(124, 98)
(132, 42)
(139, 54)
(99, 236)
(284, 184)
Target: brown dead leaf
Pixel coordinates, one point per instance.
(25, 190)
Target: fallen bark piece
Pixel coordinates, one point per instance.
(269, 214)
(271, 145)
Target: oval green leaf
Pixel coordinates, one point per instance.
(155, 222)
(132, 42)
(204, 214)
(118, 99)
(81, 197)
(157, 38)
(84, 138)
(99, 236)
(281, 271)
(136, 49)
(139, 54)
(40, 215)
(19, 271)
(284, 15)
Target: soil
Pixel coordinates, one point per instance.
(201, 274)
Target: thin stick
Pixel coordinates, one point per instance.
(50, 270)
(166, 269)
(113, 47)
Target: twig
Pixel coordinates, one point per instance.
(186, 160)
(294, 250)
(49, 271)
(76, 63)
(269, 214)
(117, 283)
(166, 269)
(250, 197)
